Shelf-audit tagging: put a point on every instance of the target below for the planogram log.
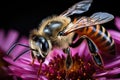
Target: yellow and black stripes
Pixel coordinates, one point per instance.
(100, 36)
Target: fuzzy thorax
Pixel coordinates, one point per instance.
(62, 41)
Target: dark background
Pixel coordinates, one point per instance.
(24, 16)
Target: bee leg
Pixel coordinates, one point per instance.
(33, 57)
(69, 58)
(39, 71)
(75, 36)
(94, 52)
(40, 61)
(68, 61)
(77, 43)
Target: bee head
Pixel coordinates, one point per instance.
(41, 45)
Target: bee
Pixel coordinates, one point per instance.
(60, 32)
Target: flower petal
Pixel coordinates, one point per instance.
(19, 49)
(117, 22)
(113, 64)
(2, 36)
(8, 40)
(115, 35)
(114, 71)
(102, 78)
(109, 73)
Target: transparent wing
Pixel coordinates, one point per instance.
(78, 8)
(96, 18)
(101, 17)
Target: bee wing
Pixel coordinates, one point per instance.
(96, 18)
(78, 8)
(102, 17)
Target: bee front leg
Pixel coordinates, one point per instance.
(68, 61)
(33, 57)
(94, 52)
(39, 58)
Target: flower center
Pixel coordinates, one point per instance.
(80, 70)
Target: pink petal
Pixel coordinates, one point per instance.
(27, 60)
(113, 64)
(102, 78)
(117, 22)
(16, 70)
(114, 72)
(100, 74)
(2, 36)
(19, 64)
(115, 35)
(108, 72)
(32, 76)
(24, 40)
(10, 39)
(80, 49)
(52, 54)
(19, 49)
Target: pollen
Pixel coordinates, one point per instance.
(80, 69)
(58, 77)
(84, 74)
(47, 74)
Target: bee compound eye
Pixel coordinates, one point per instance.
(43, 44)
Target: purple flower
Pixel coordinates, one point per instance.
(5, 42)
(54, 68)
(22, 67)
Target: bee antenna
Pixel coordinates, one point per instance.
(14, 45)
(23, 53)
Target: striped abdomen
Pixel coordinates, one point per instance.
(100, 37)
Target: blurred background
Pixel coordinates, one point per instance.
(24, 16)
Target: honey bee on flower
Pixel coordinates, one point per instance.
(60, 32)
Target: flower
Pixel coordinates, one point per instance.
(22, 67)
(79, 70)
(54, 67)
(83, 68)
(5, 42)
